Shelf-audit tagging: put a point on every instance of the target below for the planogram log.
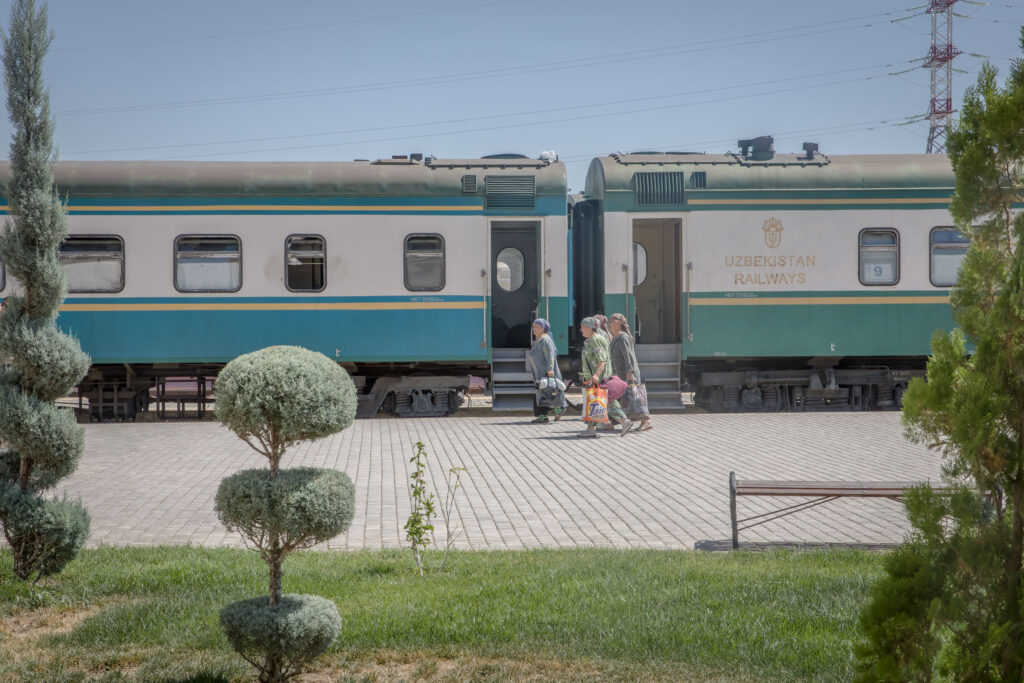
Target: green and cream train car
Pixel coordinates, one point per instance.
(415, 273)
(764, 281)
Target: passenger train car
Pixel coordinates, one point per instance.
(760, 281)
(773, 281)
(176, 268)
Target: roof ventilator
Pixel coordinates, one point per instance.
(659, 188)
(758, 149)
(510, 192)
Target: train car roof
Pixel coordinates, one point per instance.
(243, 178)
(615, 174)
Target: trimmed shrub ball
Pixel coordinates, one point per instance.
(302, 505)
(46, 533)
(285, 394)
(293, 631)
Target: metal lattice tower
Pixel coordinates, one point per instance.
(940, 59)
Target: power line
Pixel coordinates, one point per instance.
(745, 95)
(598, 60)
(534, 112)
(283, 29)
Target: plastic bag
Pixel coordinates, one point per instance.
(595, 404)
(634, 401)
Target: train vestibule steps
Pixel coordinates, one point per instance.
(512, 386)
(659, 369)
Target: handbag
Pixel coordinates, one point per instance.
(615, 386)
(595, 404)
(634, 402)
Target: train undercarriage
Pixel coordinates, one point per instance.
(872, 386)
(123, 392)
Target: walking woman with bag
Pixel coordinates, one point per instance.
(623, 354)
(597, 369)
(543, 359)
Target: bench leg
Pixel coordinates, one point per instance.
(732, 511)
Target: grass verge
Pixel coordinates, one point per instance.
(151, 614)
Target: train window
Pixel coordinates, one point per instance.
(879, 256)
(948, 247)
(510, 269)
(424, 263)
(207, 263)
(93, 263)
(3, 276)
(305, 263)
(639, 264)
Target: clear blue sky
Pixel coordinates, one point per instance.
(328, 80)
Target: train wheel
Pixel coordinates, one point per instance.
(898, 395)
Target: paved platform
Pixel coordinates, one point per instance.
(526, 486)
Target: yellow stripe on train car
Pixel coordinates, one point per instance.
(819, 300)
(311, 306)
(264, 208)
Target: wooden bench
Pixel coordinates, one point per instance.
(820, 492)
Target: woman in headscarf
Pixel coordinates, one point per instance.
(543, 360)
(624, 363)
(597, 367)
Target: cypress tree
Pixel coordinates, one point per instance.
(42, 442)
(950, 605)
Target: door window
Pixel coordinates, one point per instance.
(639, 264)
(510, 269)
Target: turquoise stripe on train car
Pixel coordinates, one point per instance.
(555, 309)
(216, 329)
(274, 206)
(775, 200)
(816, 324)
(367, 335)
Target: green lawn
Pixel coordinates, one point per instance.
(151, 614)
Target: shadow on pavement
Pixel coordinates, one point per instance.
(715, 546)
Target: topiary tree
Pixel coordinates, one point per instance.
(951, 604)
(43, 443)
(271, 399)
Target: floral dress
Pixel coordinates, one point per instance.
(595, 350)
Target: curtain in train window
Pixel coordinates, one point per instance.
(208, 264)
(948, 248)
(305, 263)
(93, 263)
(424, 263)
(879, 257)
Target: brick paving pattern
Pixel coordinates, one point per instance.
(526, 486)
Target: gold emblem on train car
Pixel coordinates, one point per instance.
(772, 232)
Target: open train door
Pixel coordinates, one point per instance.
(657, 280)
(515, 293)
(515, 283)
(657, 290)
